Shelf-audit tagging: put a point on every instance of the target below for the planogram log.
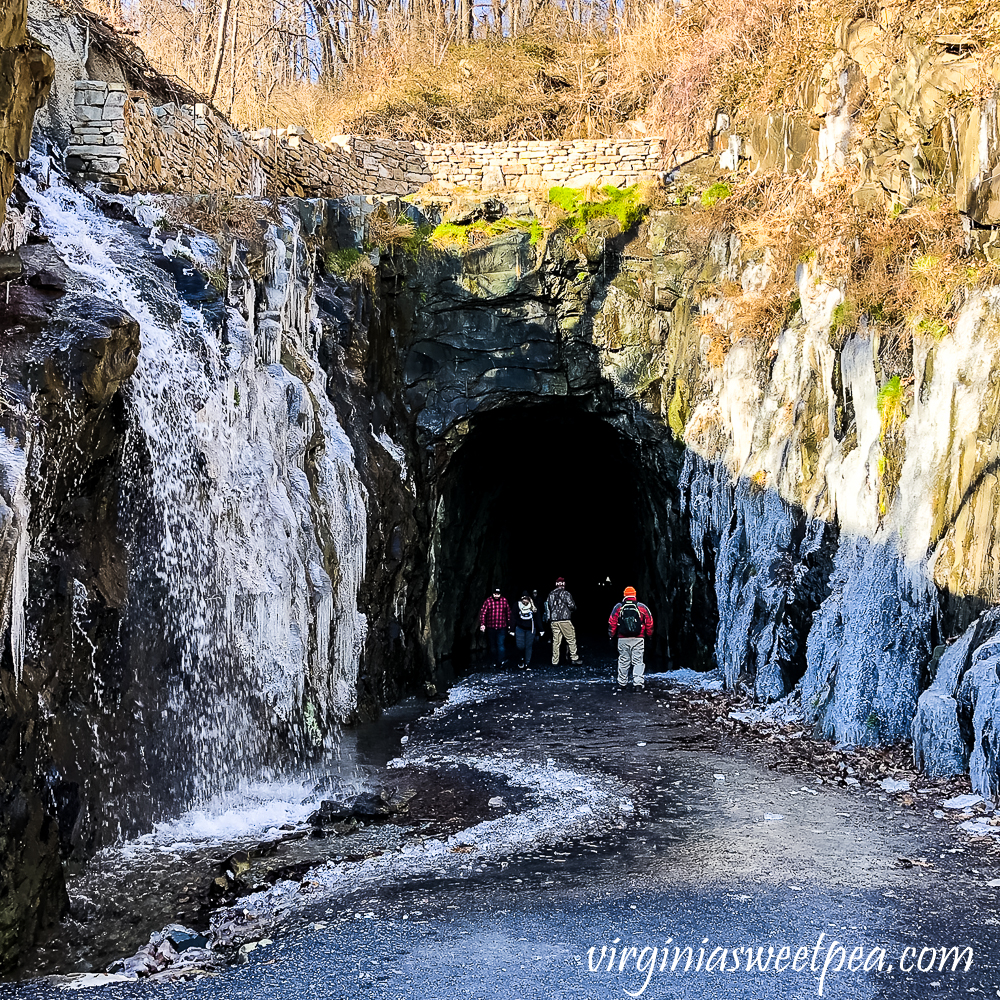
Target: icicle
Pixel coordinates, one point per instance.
(13, 473)
(260, 538)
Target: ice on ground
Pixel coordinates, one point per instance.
(87, 980)
(565, 804)
(892, 785)
(779, 713)
(962, 802)
(253, 810)
(979, 827)
(710, 680)
(474, 690)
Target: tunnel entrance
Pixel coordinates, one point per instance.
(548, 489)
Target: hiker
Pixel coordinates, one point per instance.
(494, 617)
(630, 622)
(525, 628)
(559, 605)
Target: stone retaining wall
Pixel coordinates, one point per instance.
(122, 142)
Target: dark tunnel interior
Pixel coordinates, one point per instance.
(537, 491)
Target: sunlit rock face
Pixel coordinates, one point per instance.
(845, 540)
(26, 72)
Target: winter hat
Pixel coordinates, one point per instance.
(559, 579)
(630, 593)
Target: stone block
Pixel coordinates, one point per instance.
(105, 150)
(492, 178)
(105, 165)
(89, 112)
(111, 113)
(88, 96)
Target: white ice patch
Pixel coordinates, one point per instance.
(566, 804)
(87, 980)
(779, 713)
(14, 514)
(473, 690)
(702, 680)
(399, 456)
(255, 810)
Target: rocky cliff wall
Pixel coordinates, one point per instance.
(832, 508)
(187, 525)
(31, 884)
(814, 491)
(26, 72)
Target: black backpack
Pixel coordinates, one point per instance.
(629, 621)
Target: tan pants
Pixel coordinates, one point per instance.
(630, 655)
(560, 631)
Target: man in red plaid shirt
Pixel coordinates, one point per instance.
(494, 616)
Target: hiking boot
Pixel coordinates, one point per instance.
(577, 662)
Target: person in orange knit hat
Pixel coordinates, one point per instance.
(630, 623)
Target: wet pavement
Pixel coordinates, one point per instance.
(630, 835)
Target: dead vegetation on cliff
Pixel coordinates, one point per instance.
(520, 69)
(904, 272)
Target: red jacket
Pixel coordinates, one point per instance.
(644, 613)
(495, 612)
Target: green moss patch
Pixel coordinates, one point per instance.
(343, 262)
(624, 204)
(715, 194)
(891, 440)
(457, 237)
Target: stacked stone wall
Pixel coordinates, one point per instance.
(124, 143)
(527, 165)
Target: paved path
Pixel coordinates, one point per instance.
(704, 862)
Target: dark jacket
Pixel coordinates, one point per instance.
(560, 605)
(529, 624)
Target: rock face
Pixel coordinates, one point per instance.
(501, 345)
(31, 883)
(814, 550)
(246, 500)
(26, 72)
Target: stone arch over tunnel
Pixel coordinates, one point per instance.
(550, 487)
